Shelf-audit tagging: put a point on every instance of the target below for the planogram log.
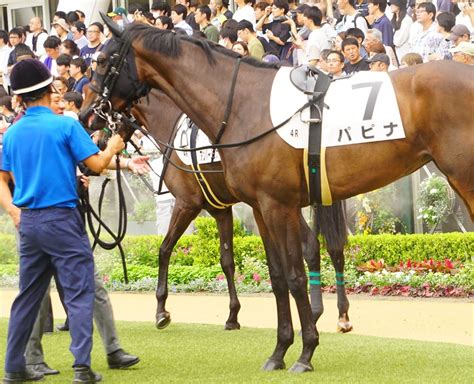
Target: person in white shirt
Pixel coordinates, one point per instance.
(426, 41)
(61, 28)
(245, 12)
(52, 46)
(178, 16)
(4, 54)
(401, 23)
(466, 17)
(78, 30)
(351, 18)
(72, 104)
(317, 39)
(37, 36)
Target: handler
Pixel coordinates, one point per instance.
(42, 151)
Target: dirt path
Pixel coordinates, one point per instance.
(443, 320)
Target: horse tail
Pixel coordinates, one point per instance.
(331, 224)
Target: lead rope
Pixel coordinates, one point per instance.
(122, 221)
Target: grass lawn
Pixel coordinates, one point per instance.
(185, 353)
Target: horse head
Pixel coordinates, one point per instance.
(114, 83)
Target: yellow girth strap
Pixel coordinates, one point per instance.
(206, 189)
(325, 190)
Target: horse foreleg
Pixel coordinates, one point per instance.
(225, 226)
(283, 224)
(344, 325)
(180, 219)
(280, 290)
(312, 256)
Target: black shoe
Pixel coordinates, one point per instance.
(85, 375)
(43, 368)
(121, 359)
(20, 377)
(63, 327)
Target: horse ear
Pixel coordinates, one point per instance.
(113, 26)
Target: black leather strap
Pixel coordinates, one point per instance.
(315, 134)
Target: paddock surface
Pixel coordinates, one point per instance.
(437, 319)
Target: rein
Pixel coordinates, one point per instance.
(213, 146)
(229, 102)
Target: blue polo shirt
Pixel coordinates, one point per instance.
(10, 184)
(43, 150)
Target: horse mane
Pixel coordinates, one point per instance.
(168, 43)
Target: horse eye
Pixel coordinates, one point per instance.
(101, 60)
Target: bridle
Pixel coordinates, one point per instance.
(121, 61)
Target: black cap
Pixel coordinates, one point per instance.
(29, 75)
(382, 57)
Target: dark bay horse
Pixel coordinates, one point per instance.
(160, 115)
(435, 102)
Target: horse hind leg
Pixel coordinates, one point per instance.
(344, 325)
(331, 222)
(225, 226)
(312, 256)
(465, 189)
(180, 219)
(457, 165)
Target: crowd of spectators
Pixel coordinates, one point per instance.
(340, 37)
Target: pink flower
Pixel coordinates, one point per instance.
(220, 277)
(448, 264)
(105, 279)
(256, 277)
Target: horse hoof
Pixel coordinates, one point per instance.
(344, 326)
(273, 365)
(163, 320)
(230, 326)
(301, 368)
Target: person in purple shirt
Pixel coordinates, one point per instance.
(444, 6)
(382, 22)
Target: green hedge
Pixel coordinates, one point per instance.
(8, 249)
(197, 250)
(194, 250)
(396, 248)
(8, 270)
(177, 274)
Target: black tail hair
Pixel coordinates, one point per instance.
(330, 222)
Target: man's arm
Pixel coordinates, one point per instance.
(6, 199)
(101, 160)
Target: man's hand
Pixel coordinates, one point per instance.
(138, 164)
(15, 215)
(116, 144)
(85, 181)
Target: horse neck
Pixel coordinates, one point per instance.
(159, 114)
(203, 92)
